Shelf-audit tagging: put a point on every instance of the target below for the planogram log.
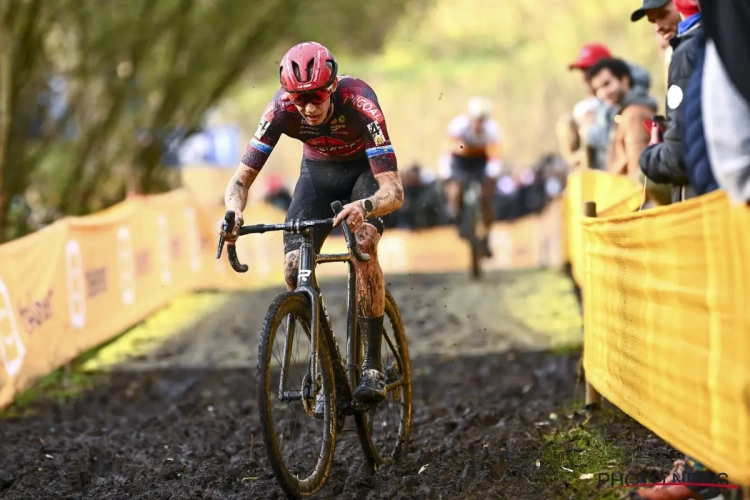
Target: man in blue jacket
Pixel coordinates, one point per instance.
(664, 161)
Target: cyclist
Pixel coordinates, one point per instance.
(347, 155)
(474, 151)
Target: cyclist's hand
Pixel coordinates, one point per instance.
(230, 238)
(353, 214)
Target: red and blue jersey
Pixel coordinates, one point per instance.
(356, 129)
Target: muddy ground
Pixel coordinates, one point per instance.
(494, 412)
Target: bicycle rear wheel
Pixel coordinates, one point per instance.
(393, 415)
(303, 474)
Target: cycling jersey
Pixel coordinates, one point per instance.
(479, 145)
(356, 130)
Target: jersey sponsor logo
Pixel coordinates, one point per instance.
(377, 133)
(262, 127)
(365, 105)
(335, 147)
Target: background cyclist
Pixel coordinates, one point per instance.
(347, 156)
(473, 152)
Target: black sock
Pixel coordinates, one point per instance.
(371, 330)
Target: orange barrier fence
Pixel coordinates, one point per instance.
(666, 294)
(81, 281)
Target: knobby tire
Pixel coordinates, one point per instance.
(298, 304)
(373, 456)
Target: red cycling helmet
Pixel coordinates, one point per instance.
(308, 67)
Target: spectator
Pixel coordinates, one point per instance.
(662, 14)
(505, 203)
(611, 80)
(423, 203)
(598, 134)
(571, 130)
(664, 162)
(665, 50)
(725, 85)
(277, 193)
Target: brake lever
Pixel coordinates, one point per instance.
(351, 243)
(226, 226)
(234, 261)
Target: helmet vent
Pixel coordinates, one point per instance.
(310, 66)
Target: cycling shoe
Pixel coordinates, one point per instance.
(371, 390)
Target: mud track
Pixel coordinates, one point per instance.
(183, 422)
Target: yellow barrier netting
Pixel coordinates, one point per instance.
(666, 294)
(602, 188)
(82, 281)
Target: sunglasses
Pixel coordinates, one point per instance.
(314, 97)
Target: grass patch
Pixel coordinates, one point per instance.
(572, 453)
(575, 449)
(62, 384)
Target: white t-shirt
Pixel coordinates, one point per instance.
(461, 128)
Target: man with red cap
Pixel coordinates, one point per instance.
(598, 130)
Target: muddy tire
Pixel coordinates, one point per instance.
(298, 305)
(381, 452)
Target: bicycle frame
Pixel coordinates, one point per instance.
(307, 283)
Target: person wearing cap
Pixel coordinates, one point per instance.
(597, 135)
(662, 14)
(664, 161)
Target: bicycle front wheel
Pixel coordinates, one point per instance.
(384, 431)
(299, 439)
(470, 220)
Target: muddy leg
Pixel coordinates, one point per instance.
(291, 265)
(371, 309)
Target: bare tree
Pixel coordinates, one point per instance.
(135, 71)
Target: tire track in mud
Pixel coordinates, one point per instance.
(182, 422)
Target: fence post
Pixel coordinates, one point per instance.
(593, 398)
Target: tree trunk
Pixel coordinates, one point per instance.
(4, 205)
(5, 90)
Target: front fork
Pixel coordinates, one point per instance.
(305, 284)
(352, 329)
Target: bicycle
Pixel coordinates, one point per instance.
(470, 222)
(328, 380)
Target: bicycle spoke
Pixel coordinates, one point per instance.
(299, 439)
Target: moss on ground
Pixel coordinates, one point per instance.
(575, 452)
(60, 385)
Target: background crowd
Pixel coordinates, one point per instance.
(517, 194)
(702, 144)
